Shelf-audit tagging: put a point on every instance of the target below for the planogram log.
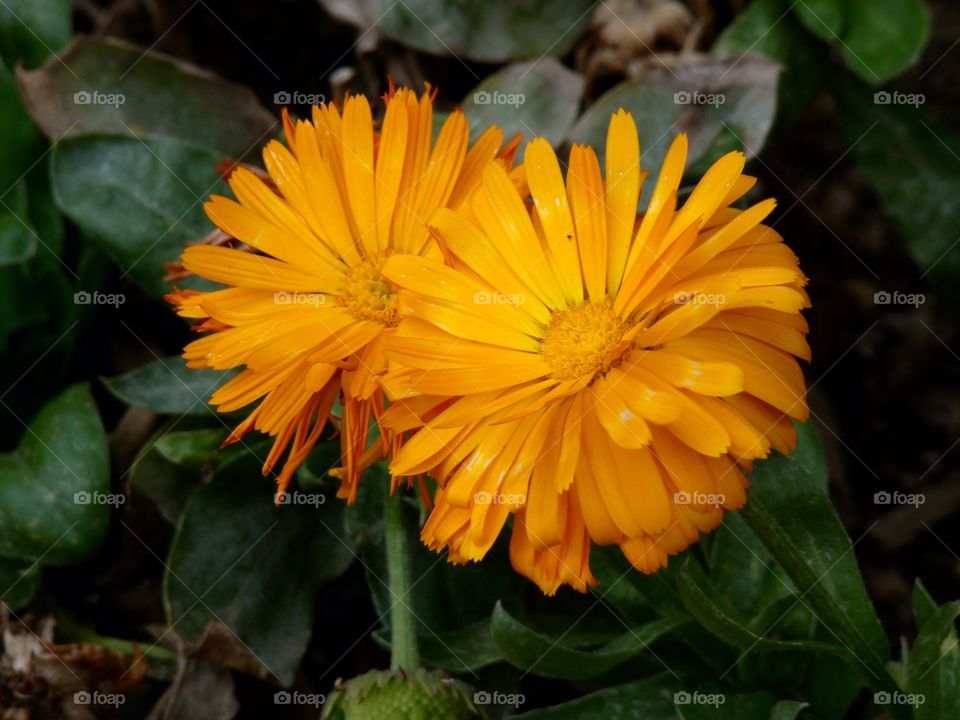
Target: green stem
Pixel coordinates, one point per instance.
(125, 647)
(403, 627)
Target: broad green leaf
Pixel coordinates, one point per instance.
(193, 449)
(168, 386)
(661, 697)
(742, 570)
(33, 30)
(18, 582)
(535, 99)
(547, 656)
(466, 649)
(834, 686)
(727, 706)
(721, 104)
(791, 513)
(768, 27)
(787, 710)
(697, 600)
(650, 699)
(239, 559)
(913, 164)
(166, 485)
(18, 239)
(883, 41)
(634, 595)
(109, 86)
(492, 31)
(141, 199)
(824, 18)
(54, 486)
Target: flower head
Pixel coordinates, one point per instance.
(602, 377)
(306, 307)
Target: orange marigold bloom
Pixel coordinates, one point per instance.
(601, 376)
(306, 309)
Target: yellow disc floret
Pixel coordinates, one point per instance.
(366, 295)
(584, 340)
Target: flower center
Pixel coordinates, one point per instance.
(366, 295)
(583, 340)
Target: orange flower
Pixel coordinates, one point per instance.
(602, 377)
(306, 309)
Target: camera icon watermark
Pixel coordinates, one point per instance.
(295, 697)
(84, 297)
(695, 97)
(299, 499)
(883, 297)
(514, 700)
(694, 298)
(95, 97)
(685, 697)
(282, 297)
(885, 97)
(490, 297)
(684, 497)
(495, 97)
(483, 497)
(899, 698)
(83, 497)
(86, 697)
(885, 497)
(295, 97)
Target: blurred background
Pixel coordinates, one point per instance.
(117, 116)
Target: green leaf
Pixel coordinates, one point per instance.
(238, 559)
(881, 42)
(696, 598)
(787, 710)
(33, 30)
(18, 239)
(933, 666)
(824, 18)
(937, 631)
(166, 485)
(720, 104)
(492, 31)
(193, 449)
(22, 145)
(924, 606)
(168, 386)
(109, 86)
(53, 487)
(912, 163)
(661, 697)
(634, 595)
(728, 706)
(18, 582)
(538, 99)
(768, 27)
(141, 199)
(834, 686)
(742, 570)
(791, 513)
(650, 699)
(466, 649)
(546, 656)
